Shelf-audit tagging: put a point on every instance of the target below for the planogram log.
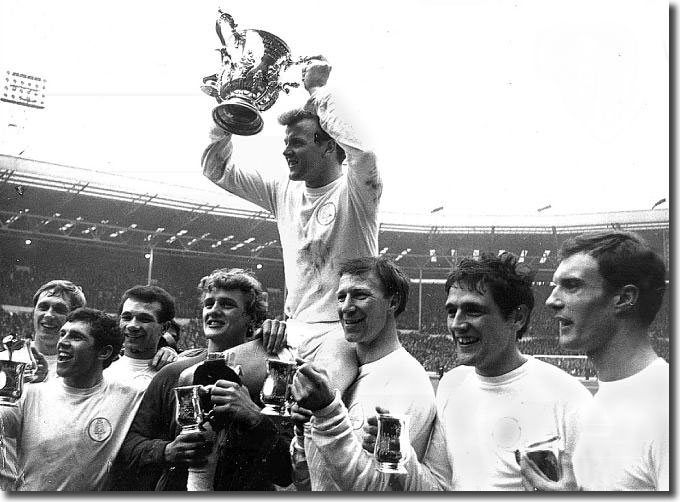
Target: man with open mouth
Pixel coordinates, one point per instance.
(69, 429)
(609, 287)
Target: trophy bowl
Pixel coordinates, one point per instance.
(275, 393)
(11, 382)
(189, 412)
(248, 80)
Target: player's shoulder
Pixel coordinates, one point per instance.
(556, 378)
(456, 376)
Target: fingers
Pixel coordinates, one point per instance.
(156, 359)
(532, 477)
(370, 433)
(273, 334)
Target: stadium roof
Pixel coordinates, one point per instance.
(20, 171)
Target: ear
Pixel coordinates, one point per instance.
(330, 147)
(520, 317)
(627, 298)
(394, 302)
(105, 352)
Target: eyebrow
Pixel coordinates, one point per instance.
(466, 305)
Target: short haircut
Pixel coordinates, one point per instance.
(149, 294)
(296, 115)
(624, 258)
(393, 280)
(103, 328)
(508, 281)
(74, 294)
(243, 280)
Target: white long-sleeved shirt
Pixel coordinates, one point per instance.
(318, 227)
(481, 421)
(335, 457)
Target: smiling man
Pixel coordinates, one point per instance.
(323, 215)
(497, 400)
(254, 453)
(52, 302)
(69, 429)
(609, 286)
(145, 312)
(371, 293)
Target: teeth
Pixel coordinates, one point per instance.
(465, 340)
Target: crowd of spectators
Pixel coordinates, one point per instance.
(104, 280)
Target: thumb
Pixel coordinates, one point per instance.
(381, 410)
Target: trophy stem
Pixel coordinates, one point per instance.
(275, 410)
(238, 116)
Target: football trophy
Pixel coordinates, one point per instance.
(248, 80)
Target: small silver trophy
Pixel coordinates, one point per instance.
(391, 443)
(248, 80)
(275, 394)
(11, 372)
(188, 411)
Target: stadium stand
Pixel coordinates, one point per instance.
(107, 240)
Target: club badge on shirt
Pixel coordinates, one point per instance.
(326, 213)
(99, 429)
(356, 416)
(506, 433)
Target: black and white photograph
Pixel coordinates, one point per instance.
(336, 247)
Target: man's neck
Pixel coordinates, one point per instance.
(383, 345)
(626, 353)
(221, 347)
(84, 382)
(332, 174)
(45, 349)
(138, 355)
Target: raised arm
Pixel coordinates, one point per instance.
(335, 120)
(220, 168)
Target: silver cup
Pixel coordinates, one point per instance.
(11, 382)
(275, 394)
(248, 80)
(391, 443)
(189, 414)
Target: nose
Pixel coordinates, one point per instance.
(287, 152)
(347, 305)
(133, 325)
(553, 301)
(457, 324)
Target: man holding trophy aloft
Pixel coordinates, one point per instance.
(323, 214)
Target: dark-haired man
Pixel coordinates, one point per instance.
(323, 215)
(69, 429)
(609, 286)
(498, 400)
(371, 294)
(143, 315)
